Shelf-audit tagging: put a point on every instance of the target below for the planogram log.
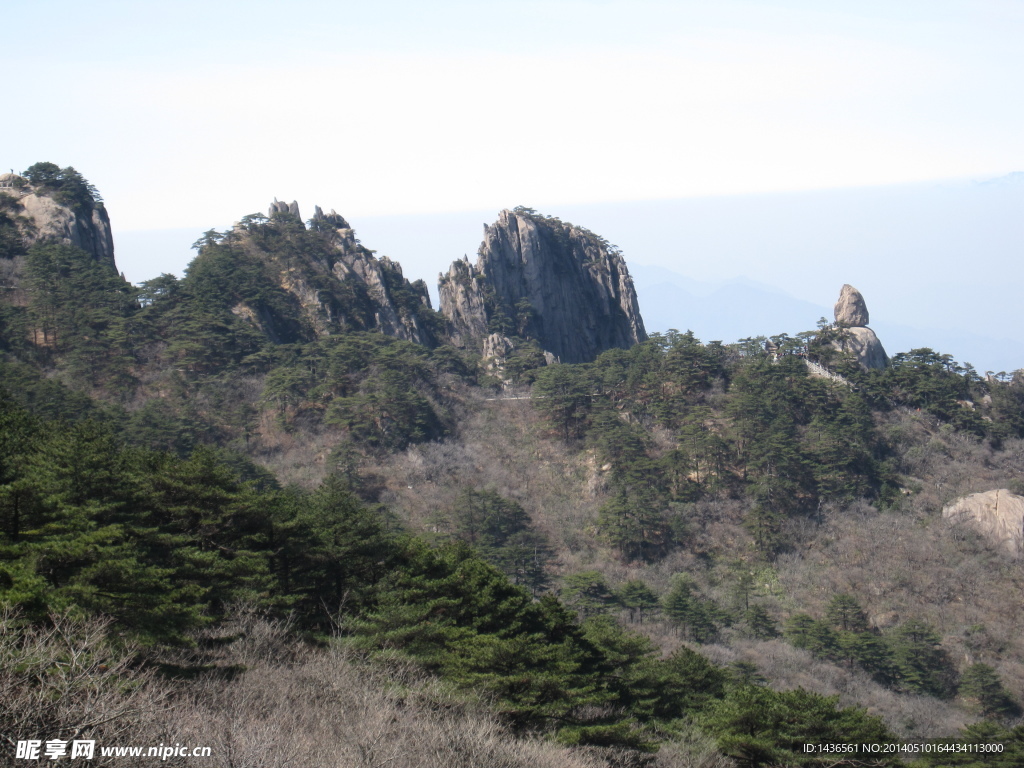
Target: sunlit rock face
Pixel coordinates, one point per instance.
(43, 218)
(332, 282)
(542, 279)
(998, 515)
(851, 313)
(381, 278)
(850, 310)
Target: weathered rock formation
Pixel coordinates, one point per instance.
(382, 279)
(542, 279)
(851, 313)
(282, 207)
(998, 515)
(850, 310)
(496, 351)
(339, 284)
(864, 345)
(41, 217)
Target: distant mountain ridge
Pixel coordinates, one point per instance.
(940, 260)
(725, 311)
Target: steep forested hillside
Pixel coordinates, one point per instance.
(677, 554)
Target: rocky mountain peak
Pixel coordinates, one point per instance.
(333, 219)
(539, 278)
(338, 283)
(60, 211)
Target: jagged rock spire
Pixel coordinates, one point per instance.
(333, 218)
(341, 285)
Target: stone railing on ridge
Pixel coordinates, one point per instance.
(822, 372)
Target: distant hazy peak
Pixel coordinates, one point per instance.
(1011, 179)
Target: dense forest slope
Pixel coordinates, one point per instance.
(672, 554)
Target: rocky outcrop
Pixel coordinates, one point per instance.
(850, 310)
(855, 338)
(401, 316)
(542, 279)
(282, 207)
(463, 303)
(41, 217)
(998, 515)
(333, 218)
(864, 345)
(338, 283)
(496, 351)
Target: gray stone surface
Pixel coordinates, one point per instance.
(864, 345)
(283, 207)
(347, 261)
(49, 220)
(545, 280)
(850, 310)
(997, 514)
(497, 347)
(855, 337)
(333, 218)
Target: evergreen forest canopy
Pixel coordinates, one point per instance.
(145, 436)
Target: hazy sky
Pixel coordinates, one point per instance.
(192, 114)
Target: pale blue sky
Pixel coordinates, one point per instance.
(195, 113)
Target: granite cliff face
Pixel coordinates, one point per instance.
(399, 307)
(338, 284)
(851, 313)
(539, 278)
(851, 310)
(40, 216)
(998, 515)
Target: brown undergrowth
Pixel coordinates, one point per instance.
(900, 563)
(259, 699)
